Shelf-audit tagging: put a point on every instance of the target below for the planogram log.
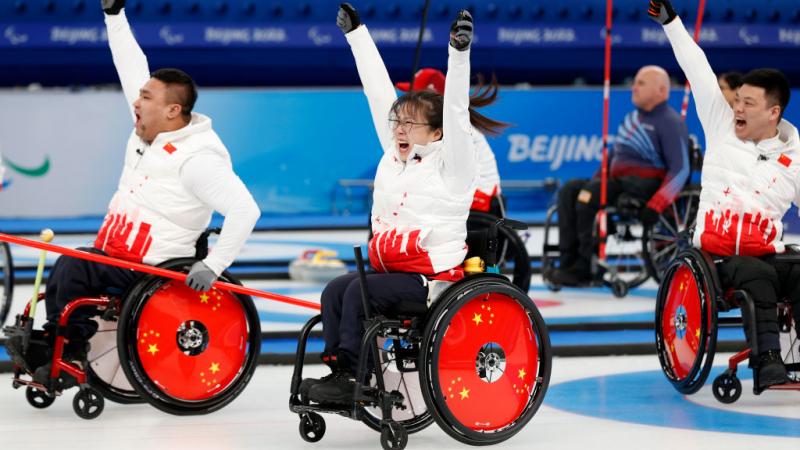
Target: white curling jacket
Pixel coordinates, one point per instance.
(170, 187)
(746, 187)
(420, 206)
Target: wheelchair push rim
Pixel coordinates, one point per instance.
(686, 324)
(486, 362)
(188, 352)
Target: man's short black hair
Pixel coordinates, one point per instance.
(181, 86)
(775, 85)
(734, 79)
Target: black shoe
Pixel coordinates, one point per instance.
(338, 389)
(75, 352)
(308, 383)
(37, 355)
(573, 276)
(771, 370)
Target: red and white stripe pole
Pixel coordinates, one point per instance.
(698, 25)
(179, 276)
(602, 217)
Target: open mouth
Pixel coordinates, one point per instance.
(740, 124)
(138, 119)
(404, 147)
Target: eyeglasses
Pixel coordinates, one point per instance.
(405, 125)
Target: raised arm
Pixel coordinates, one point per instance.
(130, 61)
(713, 110)
(460, 165)
(375, 79)
(212, 180)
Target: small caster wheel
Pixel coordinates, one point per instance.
(312, 427)
(394, 437)
(38, 399)
(619, 288)
(727, 388)
(88, 403)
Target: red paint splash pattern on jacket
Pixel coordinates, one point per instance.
(114, 234)
(719, 234)
(390, 251)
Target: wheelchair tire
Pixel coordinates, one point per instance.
(686, 322)
(38, 399)
(6, 282)
(104, 372)
(209, 349)
(514, 251)
(88, 403)
(662, 241)
(486, 360)
(726, 387)
(416, 416)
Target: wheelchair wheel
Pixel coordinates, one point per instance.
(661, 242)
(624, 255)
(6, 281)
(686, 322)
(105, 372)
(38, 399)
(485, 360)
(187, 352)
(726, 387)
(400, 375)
(512, 249)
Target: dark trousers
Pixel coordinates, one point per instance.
(73, 278)
(343, 314)
(578, 203)
(767, 281)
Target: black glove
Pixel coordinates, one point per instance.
(112, 7)
(661, 11)
(200, 277)
(461, 31)
(648, 216)
(347, 20)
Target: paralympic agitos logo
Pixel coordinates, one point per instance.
(32, 172)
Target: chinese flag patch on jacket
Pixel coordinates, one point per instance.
(169, 148)
(785, 160)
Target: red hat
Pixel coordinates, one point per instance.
(425, 79)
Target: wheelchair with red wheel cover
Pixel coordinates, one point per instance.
(688, 302)
(184, 352)
(477, 362)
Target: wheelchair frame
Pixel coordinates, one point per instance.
(713, 298)
(605, 273)
(394, 435)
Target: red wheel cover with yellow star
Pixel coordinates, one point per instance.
(488, 362)
(191, 345)
(686, 320)
(681, 322)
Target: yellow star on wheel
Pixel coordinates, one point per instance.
(203, 298)
(697, 333)
(477, 319)
(214, 368)
(152, 349)
(464, 393)
(521, 373)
